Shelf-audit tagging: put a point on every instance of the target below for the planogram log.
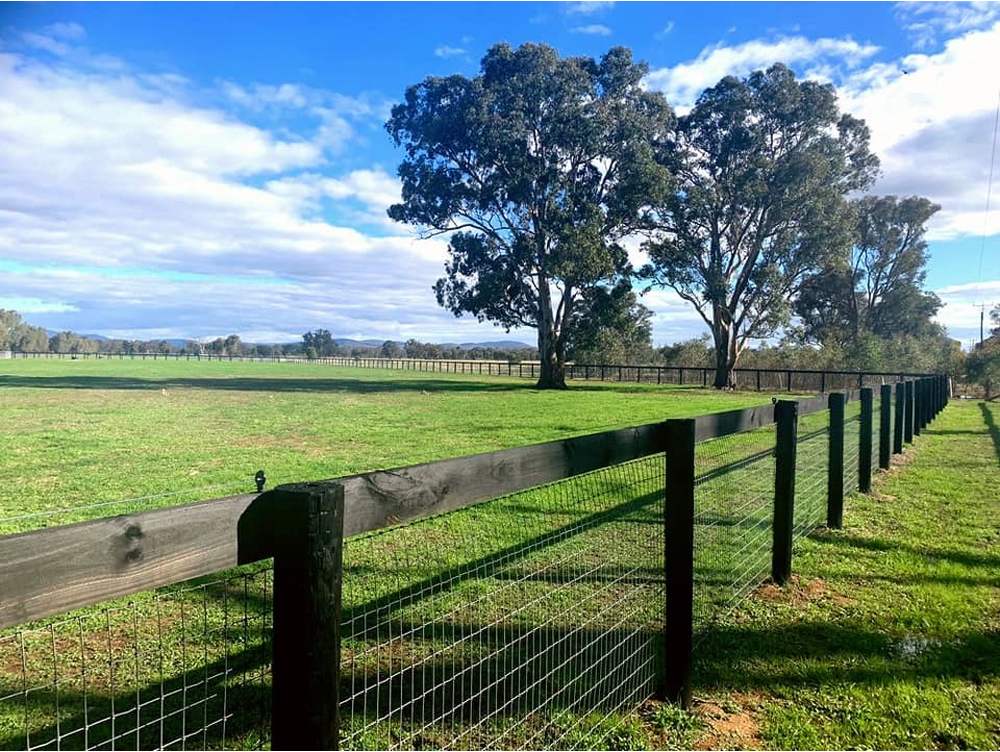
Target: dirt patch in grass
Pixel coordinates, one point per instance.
(729, 725)
(800, 590)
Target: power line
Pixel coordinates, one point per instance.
(986, 212)
(989, 187)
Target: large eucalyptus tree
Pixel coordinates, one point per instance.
(762, 166)
(535, 170)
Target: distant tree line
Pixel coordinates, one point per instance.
(321, 344)
(983, 363)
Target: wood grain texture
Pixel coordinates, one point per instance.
(57, 569)
(51, 571)
(388, 497)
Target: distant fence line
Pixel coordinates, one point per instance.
(759, 379)
(518, 598)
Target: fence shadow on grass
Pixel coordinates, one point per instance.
(809, 654)
(991, 427)
(965, 558)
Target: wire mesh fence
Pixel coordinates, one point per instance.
(734, 498)
(852, 446)
(184, 667)
(535, 620)
(531, 621)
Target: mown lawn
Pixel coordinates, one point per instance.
(889, 636)
(81, 432)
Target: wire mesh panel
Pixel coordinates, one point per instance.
(852, 446)
(811, 468)
(734, 505)
(876, 433)
(184, 667)
(530, 621)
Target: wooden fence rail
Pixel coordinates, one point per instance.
(754, 379)
(55, 570)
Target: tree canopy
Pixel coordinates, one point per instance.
(535, 169)
(762, 166)
(876, 287)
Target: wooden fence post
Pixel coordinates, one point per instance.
(918, 406)
(678, 538)
(908, 415)
(835, 464)
(885, 427)
(865, 441)
(786, 414)
(305, 669)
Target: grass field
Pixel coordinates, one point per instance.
(888, 636)
(77, 433)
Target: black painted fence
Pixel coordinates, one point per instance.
(526, 597)
(758, 379)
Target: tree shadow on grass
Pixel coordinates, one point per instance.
(810, 654)
(965, 558)
(991, 427)
(253, 384)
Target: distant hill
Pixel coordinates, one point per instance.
(95, 337)
(500, 344)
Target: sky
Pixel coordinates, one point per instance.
(194, 170)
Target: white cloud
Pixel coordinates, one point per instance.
(960, 312)
(586, 8)
(46, 43)
(664, 32)
(682, 83)
(931, 119)
(592, 29)
(66, 30)
(35, 305)
(149, 213)
(445, 51)
(926, 22)
(930, 115)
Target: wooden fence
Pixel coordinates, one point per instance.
(303, 526)
(758, 379)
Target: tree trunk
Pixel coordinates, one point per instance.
(552, 374)
(725, 360)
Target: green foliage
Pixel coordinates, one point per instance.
(536, 168)
(762, 167)
(70, 342)
(17, 334)
(678, 726)
(319, 344)
(617, 329)
(690, 352)
(982, 365)
(875, 287)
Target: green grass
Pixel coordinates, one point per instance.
(889, 637)
(82, 432)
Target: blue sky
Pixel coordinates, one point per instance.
(199, 169)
